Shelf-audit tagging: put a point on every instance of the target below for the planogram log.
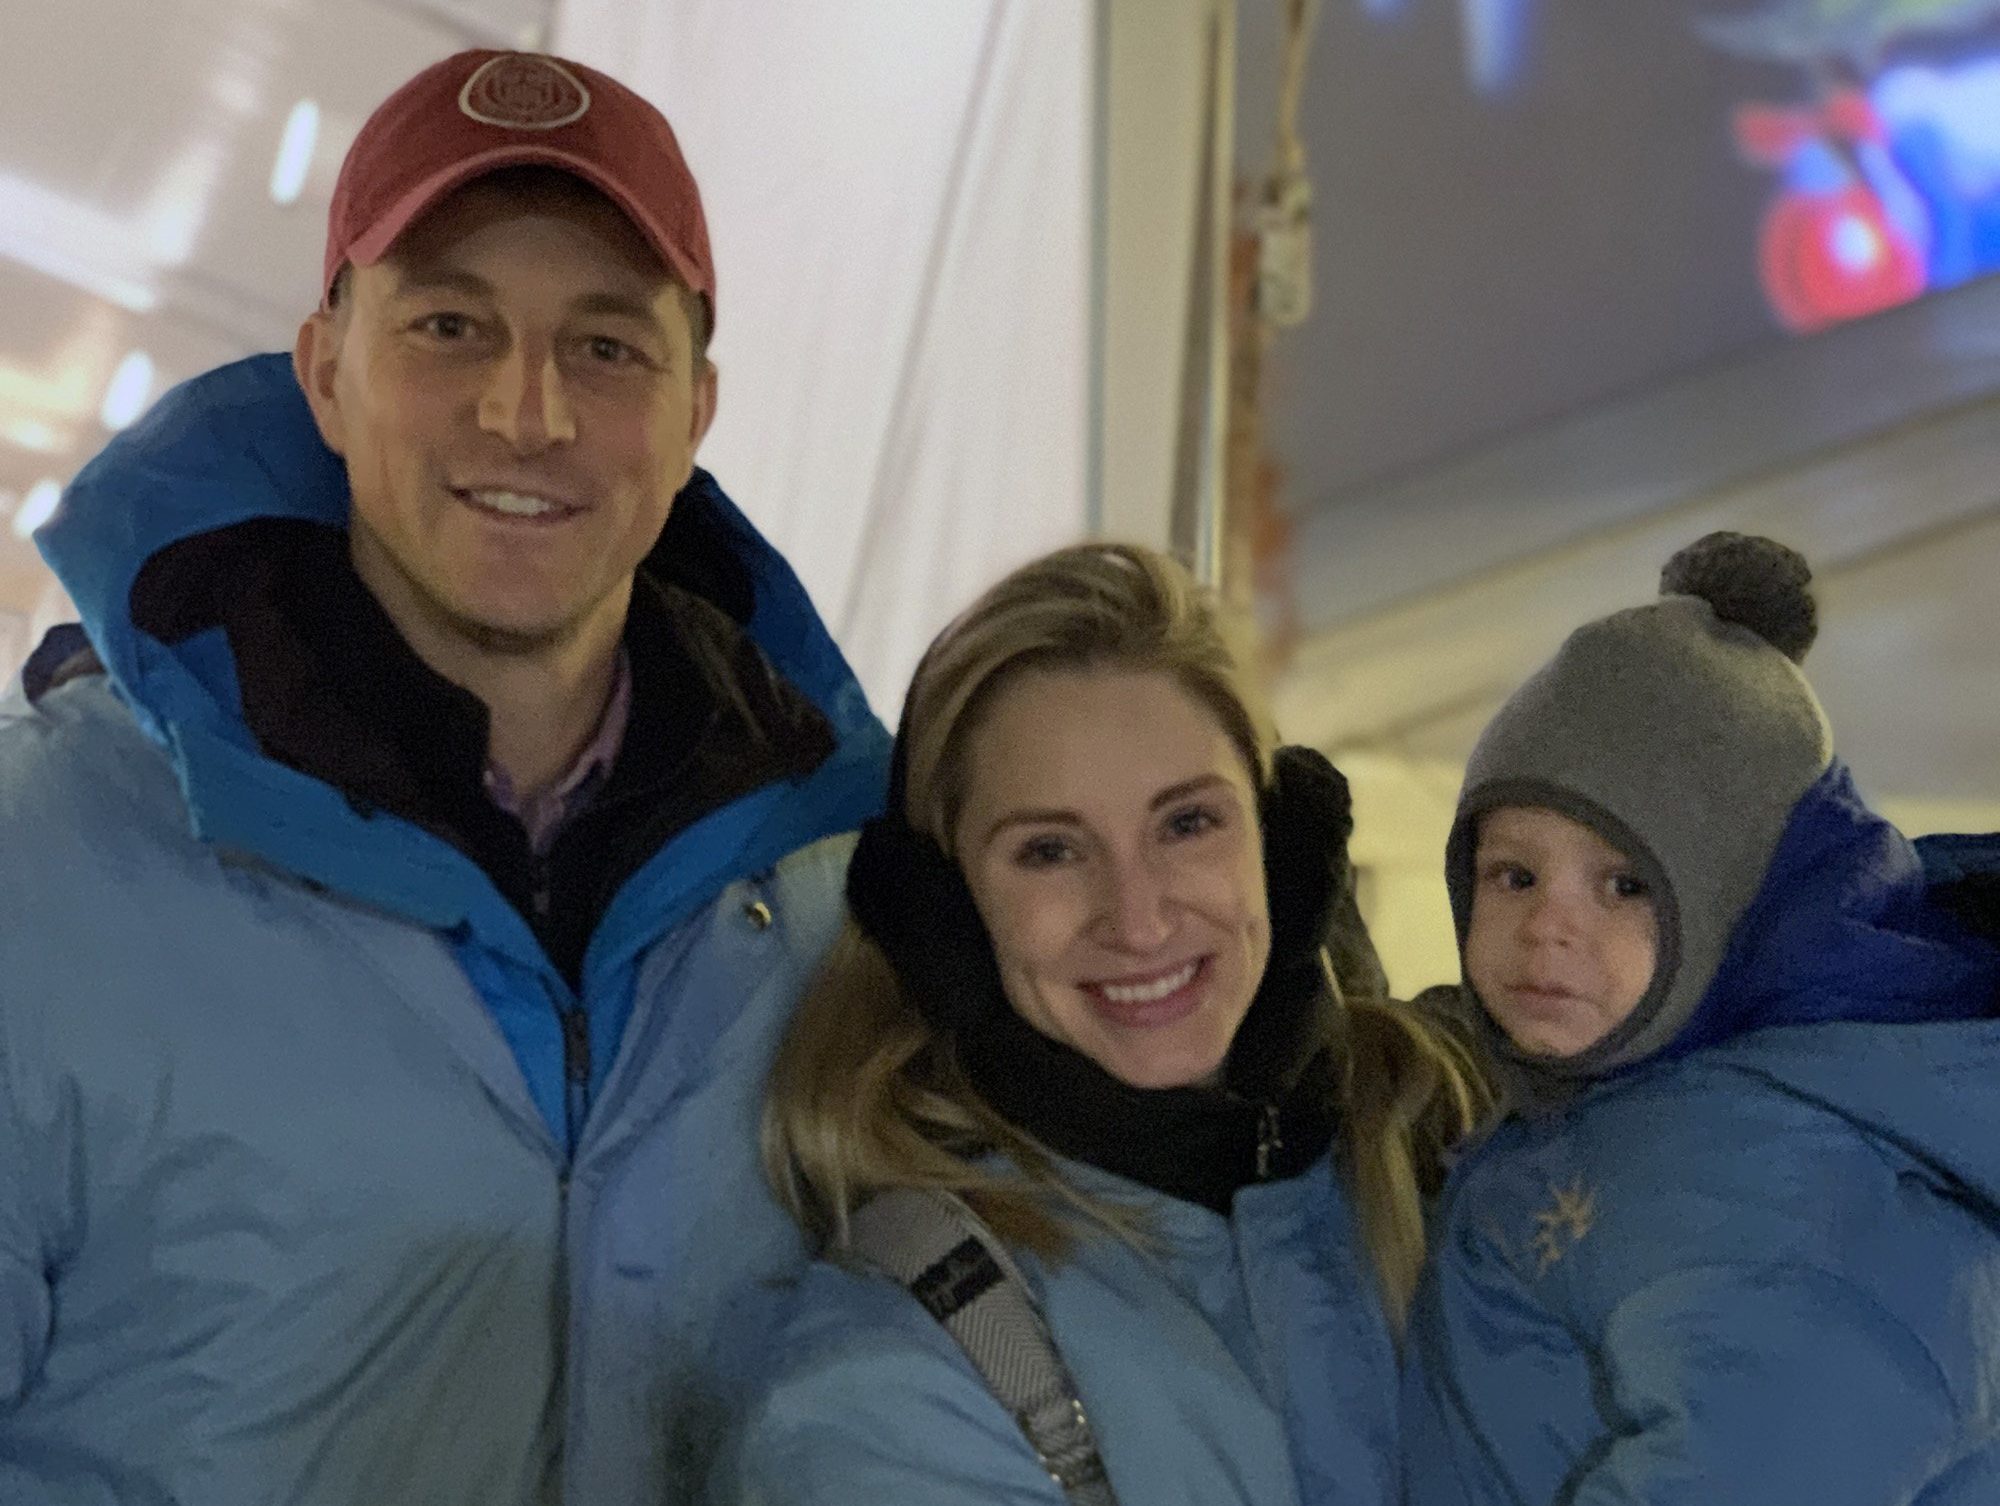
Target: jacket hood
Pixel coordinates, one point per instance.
(239, 443)
(1844, 927)
(1964, 872)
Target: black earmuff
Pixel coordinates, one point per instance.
(913, 903)
(1307, 814)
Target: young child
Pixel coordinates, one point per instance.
(1738, 1238)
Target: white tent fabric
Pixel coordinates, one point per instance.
(899, 196)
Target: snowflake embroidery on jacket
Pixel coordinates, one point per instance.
(1561, 1227)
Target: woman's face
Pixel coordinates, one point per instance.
(1111, 842)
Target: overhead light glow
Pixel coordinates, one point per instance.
(295, 153)
(33, 434)
(177, 206)
(130, 390)
(1496, 44)
(234, 92)
(38, 506)
(74, 243)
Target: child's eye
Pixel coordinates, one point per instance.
(1630, 886)
(1504, 875)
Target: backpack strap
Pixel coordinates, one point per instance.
(933, 1244)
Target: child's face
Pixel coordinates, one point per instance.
(1563, 936)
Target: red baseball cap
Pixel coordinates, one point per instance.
(484, 110)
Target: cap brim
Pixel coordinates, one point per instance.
(373, 243)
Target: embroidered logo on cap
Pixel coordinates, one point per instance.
(524, 92)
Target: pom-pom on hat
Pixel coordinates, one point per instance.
(1753, 582)
(1684, 733)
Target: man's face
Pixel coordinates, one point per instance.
(516, 393)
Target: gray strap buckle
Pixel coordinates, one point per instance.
(938, 1248)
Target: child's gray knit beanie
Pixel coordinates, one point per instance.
(1683, 732)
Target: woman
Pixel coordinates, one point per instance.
(1083, 993)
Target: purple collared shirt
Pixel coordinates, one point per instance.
(543, 816)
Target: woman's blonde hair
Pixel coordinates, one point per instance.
(866, 1095)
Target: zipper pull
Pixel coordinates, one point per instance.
(1269, 1141)
(576, 1045)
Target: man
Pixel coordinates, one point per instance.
(407, 882)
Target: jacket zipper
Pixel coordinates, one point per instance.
(570, 1015)
(576, 1068)
(1269, 1141)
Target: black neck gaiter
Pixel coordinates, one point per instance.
(1272, 1117)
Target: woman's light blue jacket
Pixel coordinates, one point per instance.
(1244, 1361)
